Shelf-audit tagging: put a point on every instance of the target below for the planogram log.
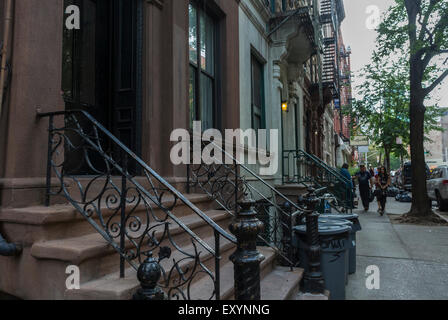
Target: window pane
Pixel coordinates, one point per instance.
(257, 83)
(206, 102)
(257, 94)
(207, 44)
(192, 34)
(192, 94)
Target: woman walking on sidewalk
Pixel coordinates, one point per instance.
(382, 183)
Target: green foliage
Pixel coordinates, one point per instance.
(383, 112)
(417, 29)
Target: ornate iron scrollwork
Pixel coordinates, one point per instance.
(129, 204)
(228, 183)
(300, 167)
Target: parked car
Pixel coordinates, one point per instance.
(405, 181)
(438, 187)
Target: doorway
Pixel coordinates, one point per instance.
(102, 71)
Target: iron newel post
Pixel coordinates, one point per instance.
(246, 258)
(149, 274)
(313, 279)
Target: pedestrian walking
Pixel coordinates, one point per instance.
(372, 172)
(365, 186)
(382, 183)
(346, 174)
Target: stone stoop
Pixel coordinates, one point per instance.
(58, 236)
(291, 191)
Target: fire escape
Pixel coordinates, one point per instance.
(329, 19)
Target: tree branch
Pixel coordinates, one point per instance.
(424, 23)
(435, 83)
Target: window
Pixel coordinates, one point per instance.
(257, 87)
(202, 41)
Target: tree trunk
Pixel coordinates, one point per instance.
(420, 202)
(387, 159)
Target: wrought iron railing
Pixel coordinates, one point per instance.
(227, 180)
(284, 10)
(129, 204)
(303, 168)
(278, 6)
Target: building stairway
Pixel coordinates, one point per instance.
(57, 237)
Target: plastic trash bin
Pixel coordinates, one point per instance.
(334, 240)
(323, 220)
(354, 218)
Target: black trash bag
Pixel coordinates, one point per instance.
(392, 192)
(406, 198)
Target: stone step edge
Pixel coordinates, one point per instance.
(114, 288)
(96, 245)
(64, 213)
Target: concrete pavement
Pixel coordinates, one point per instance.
(412, 260)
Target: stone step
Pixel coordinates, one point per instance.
(281, 284)
(95, 257)
(202, 288)
(111, 287)
(40, 272)
(291, 191)
(103, 288)
(39, 223)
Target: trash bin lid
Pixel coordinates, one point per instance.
(335, 222)
(324, 220)
(325, 229)
(351, 217)
(345, 216)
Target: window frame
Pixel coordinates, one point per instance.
(202, 8)
(255, 57)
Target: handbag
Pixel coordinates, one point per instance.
(371, 196)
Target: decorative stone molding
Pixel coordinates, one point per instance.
(157, 3)
(277, 75)
(293, 92)
(263, 10)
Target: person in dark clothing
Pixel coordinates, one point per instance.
(347, 175)
(382, 183)
(365, 184)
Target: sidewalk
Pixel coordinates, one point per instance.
(413, 260)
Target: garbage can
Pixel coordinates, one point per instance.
(354, 218)
(323, 220)
(334, 240)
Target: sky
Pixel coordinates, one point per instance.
(360, 36)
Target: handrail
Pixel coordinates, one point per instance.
(134, 219)
(257, 177)
(175, 192)
(214, 179)
(321, 163)
(291, 12)
(325, 165)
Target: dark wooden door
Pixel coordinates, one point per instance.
(124, 69)
(100, 72)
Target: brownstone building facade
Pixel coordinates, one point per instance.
(53, 69)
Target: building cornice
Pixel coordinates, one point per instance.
(262, 10)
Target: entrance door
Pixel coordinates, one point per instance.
(100, 71)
